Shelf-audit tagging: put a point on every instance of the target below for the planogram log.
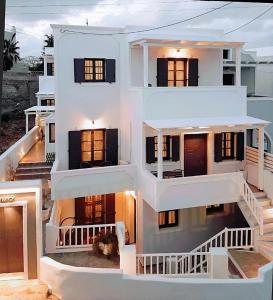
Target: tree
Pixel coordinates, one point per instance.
(49, 40)
(10, 53)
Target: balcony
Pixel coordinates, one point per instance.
(91, 181)
(186, 192)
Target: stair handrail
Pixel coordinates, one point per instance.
(252, 203)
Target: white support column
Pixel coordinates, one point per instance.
(182, 152)
(261, 158)
(145, 65)
(238, 66)
(159, 154)
(26, 123)
(45, 66)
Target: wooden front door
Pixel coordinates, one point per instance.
(195, 154)
(96, 209)
(11, 239)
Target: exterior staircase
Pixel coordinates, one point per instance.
(35, 170)
(265, 241)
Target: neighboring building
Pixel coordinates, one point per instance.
(149, 144)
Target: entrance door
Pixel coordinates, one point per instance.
(11, 239)
(96, 209)
(195, 154)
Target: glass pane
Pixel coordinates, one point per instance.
(179, 65)
(86, 136)
(98, 155)
(228, 152)
(179, 75)
(170, 65)
(170, 75)
(171, 217)
(161, 218)
(98, 135)
(179, 83)
(86, 146)
(86, 156)
(98, 145)
(170, 83)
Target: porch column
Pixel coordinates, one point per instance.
(26, 123)
(45, 66)
(159, 155)
(238, 66)
(145, 64)
(261, 158)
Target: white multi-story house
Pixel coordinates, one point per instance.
(150, 144)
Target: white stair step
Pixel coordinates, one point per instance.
(268, 237)
(268, 228)
(264, 201)
(259, 195)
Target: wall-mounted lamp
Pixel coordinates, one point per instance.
(177, 50)
(93, 122)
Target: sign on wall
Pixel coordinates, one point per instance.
(7, 198)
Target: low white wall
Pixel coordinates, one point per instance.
(16, 152)
(79, 283)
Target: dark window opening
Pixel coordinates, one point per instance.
(94, 70)
(168, 218)
(51, 132)
(50, 69)
(226, 54)
(47, 102)
(216, 208)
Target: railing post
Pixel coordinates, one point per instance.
(219, 263)
(226, 237)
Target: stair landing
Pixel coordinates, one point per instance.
(249, 261)
(35, 154)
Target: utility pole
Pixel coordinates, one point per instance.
(2, 33)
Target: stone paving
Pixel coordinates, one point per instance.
(24, 290)
(249, 261)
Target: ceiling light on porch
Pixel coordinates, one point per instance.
(188, 128)
(231, 125)
(203, 127)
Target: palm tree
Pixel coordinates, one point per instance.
(49, 40)
(10, 53)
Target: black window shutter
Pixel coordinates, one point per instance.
(168, 147)
(240, 155)
(110, 209)
(218, 147)
(112, 146)
(193, 72)
(74, 149)
(79, 210)
(49, 69)
(162, 72)
(79, 69)
(110, 70)
(150, 149)
(175, 147)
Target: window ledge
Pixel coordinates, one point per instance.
(92, 83)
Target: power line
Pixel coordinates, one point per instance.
(251, 21)
(153, 28)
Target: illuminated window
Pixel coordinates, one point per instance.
(94, 209)
(93, 145)
(94, 69)
(176, 72)
(165, 147)
(216, 208)
(228, 145)
(47, 102)
(168, 218)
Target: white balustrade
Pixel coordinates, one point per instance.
(80, 236)
(173, 264)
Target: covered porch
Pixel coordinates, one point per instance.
(200, 146)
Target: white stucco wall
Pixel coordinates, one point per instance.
(71, 283)
(79, 103)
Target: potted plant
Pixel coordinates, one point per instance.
(106, 243)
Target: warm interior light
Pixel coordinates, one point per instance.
(203, 127)
(231, 125)
(187, 127)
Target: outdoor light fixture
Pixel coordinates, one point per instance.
(203, 127)
(188, 128)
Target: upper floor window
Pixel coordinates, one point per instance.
(47, 102)
(51, 132)
(177, 72)
(50, 69)
(165, 147)
(93, 145)
(227, 54)
(94, 69)
(229, 145)
(168, 218)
